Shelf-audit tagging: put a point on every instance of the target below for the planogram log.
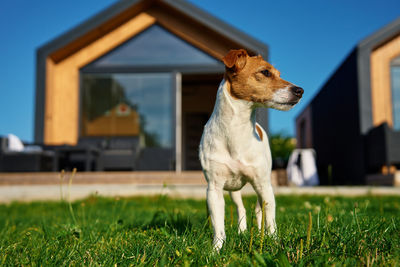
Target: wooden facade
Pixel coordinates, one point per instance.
(61, 124)
(381, 91)
(57, 118)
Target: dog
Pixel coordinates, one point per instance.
(234, 148)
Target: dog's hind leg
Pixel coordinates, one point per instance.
(216, 208)
(241, 211)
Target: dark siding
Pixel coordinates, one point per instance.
(40, 97)
(336, 130)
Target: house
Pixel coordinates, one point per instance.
(146, 70)
(353, 123)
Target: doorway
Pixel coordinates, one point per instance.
(198, 99)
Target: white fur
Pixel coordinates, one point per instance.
(281, 98)
(233, 154)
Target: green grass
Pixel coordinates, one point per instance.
(157, 231)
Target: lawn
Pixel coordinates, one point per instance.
(157, 231)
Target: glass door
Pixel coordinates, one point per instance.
(135, 106)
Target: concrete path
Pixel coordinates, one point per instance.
(187, 184)
(9, 193)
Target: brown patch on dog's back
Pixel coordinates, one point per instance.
(260, 134)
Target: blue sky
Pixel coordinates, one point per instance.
(307, 40)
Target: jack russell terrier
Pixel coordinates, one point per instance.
(234, 148)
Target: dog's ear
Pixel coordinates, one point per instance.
(235, 59)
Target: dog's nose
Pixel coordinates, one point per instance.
(297, 91)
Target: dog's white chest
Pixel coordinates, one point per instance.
(231, 148)
(240, 173)
(235, 168)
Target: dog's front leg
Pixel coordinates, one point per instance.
(258, 214)
(216, 208)
(241, 211)
(266, 195)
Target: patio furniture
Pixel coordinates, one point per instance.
(27, 158)
(118, 154)
(82, 157)
(155, 159)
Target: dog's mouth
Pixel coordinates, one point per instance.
(280, 105)
(289, 103)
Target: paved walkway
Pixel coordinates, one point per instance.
(48, 186)
(9, 193)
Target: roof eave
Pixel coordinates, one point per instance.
(381, 36)
(86, 26)
(219, 26)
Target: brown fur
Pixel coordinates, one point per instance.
(246, 80)
(260, 134)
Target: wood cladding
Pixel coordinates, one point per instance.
(62, 94)
(62, 81)
(100, 31)
(381, 92)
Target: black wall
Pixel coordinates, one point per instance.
(336, 127)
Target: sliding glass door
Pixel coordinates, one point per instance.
(133, 92)
(139, 106)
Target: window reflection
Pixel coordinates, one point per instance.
(155, 46)
(395, 74)
(128, 105)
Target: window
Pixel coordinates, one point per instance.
(129, 104)
(130, 93)
(395, 77)
(155, 46)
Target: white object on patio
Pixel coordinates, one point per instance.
(14, 143)
(302, 169)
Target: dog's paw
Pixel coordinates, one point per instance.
(273, 232)
(242, 229)
(272, 229)
(218, 243)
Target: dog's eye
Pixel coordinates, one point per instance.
(266, 73)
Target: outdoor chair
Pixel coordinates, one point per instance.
(116, 153)
(155, 159)
(81, 157)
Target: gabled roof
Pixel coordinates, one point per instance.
(126, 8)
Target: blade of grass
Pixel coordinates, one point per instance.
(309, 230)
(62, 173)
(251, 239)
(71, 210)
(262, 226)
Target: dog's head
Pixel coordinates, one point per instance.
(253, 79)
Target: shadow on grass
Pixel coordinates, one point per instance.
(172, 221)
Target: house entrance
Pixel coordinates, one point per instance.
(198, 98)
